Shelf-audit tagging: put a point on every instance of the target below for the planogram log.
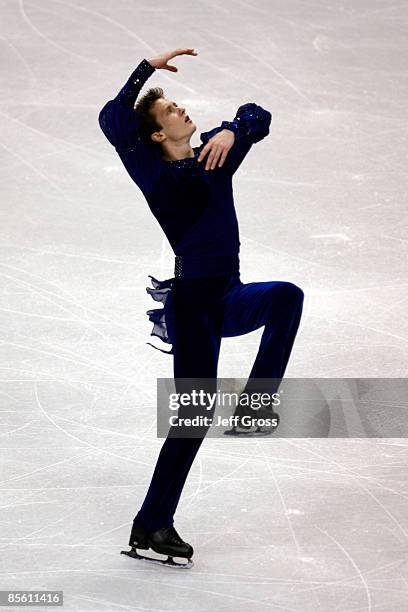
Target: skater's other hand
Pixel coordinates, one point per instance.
(217, 147)
(160, 61)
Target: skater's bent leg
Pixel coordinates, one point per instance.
(276, 305)
(282, 319)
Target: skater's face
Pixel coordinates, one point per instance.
(177, 125)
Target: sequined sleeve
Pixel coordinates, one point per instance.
(250, 125)
(121, 125)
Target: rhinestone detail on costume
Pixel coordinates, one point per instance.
(187, 162)
(178, 266)
(133, 85)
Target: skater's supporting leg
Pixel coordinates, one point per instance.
(198, 322)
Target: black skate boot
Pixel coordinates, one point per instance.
(165, 541)
(260, 422)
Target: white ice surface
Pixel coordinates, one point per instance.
(291, 524)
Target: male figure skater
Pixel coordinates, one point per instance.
(189, 191)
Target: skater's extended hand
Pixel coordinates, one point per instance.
(160, 61)
(217, 147)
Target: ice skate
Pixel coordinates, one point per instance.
(248, 427)
(165, 541)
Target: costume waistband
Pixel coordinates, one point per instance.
(197, 266)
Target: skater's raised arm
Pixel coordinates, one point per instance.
(250, 125)
(121, 124)
(117, 119)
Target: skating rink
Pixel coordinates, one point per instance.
(279, 524)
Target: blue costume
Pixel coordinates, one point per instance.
(206, 299)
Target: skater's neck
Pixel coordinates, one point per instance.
(177, 150)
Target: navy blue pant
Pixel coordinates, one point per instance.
(206, 310)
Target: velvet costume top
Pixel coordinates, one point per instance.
(194, 206)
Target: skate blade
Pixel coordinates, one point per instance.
(169, 562)
(248, 433)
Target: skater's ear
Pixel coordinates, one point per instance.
(158, 137)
